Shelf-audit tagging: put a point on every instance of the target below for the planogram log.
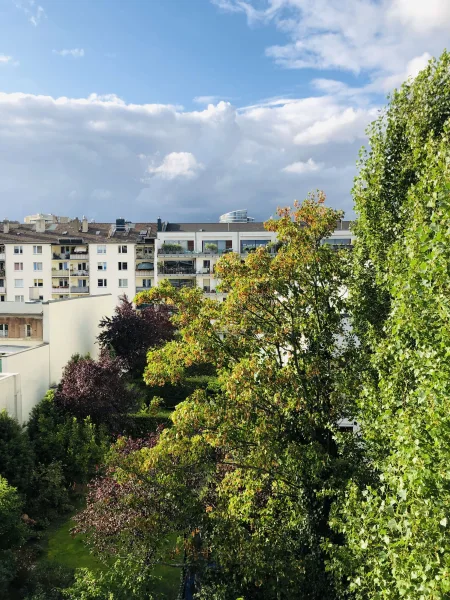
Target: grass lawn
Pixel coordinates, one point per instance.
(71, 551)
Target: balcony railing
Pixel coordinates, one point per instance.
(60, 272)
(143, 255)
(140, 288)
(74, 289)
(2, 289)
(80, 256)
(2, 272)
(79, 273)
(176, 271)
(145, 273)
(61, 256)
(2, 256)
(185, 252)
(60, 290)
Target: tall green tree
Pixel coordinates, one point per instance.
(397, 528)
(12, 532)
(255, 468)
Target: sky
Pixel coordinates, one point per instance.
(186, 109)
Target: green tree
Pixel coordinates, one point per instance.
(16, 454)
(257, 466)
(397, 528)
(12, 532)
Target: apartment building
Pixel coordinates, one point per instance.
(43, 260)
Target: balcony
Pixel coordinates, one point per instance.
(145, 273)
(2, 289)
(61, 256)
(2, 272)
(60, 272)
(143, 255)
(142, 288)
(74, 289)
(60, 290)
(80, 273)
(2, 256)
(79, 256)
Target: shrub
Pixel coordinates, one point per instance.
(16, 455)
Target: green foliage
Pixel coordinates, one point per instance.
(174, 393)
(254, 464)
(79, 446)
(48, 494)
(46, 581)
(16, 454)
(12, 532)
(397, 528)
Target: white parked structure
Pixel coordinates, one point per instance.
(43, 260)
(29, 368)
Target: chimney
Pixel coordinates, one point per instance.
(84, 225)
(159, 227)
(76, 223)
(40, 225)
(6, 226)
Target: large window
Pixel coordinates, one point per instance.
(37, 249)
(18, 249)
(38, 283)
(181, 283)
(147, 283)
(123, 266)
(18, 266)
(18, 283)
(217, 246)
(37, 266)
(251, 245)
(102, 283)
(101, 266)
(19, 298)
(123, 283)
(123, 249)
(3, 330)
(101, 249)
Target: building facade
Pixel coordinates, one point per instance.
(45, 260)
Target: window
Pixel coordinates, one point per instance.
(147, 283)
(2, 298)
(19, 299)
(82, 283)
(3, 330)
(101, 282)
(27, 330)
(123, 283)
(101, 266)
(18, 249)
(123, 266)
(251, 245)
(101, 249)
(220, 246)
(37, 249)
(37, 266)
(18, 283)
(123, 249)
(206, 285)
(18, 266)
(38, 282)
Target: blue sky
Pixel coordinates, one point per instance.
(194, 107)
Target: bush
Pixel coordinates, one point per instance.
(140, 425)
(79, 446)
(174, 394)
(46, 581)
(12, 532)
(48, 493)
(16, 454)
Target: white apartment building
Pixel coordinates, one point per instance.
(53, 260)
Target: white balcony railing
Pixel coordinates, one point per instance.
(2, 256)
(74, 289)
(60, 272)
(80, 256)
(60, 290)
(2, 289)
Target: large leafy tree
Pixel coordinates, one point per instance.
(12, 532)
(130, 332)
(16, 453)
(256, 467)
(397, 529)
(95, 389)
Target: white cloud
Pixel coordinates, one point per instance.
(380, 39)
(105, 157)
(206, 99)
(177, 164)
(73, 52)
(299, 168)
(8, 60)
(34, 12)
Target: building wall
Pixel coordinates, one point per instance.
(112, 273)
(71, 327)
(28, 274)
(16, 326)
(10, 395)
(33, 366)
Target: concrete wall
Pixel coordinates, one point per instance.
(33, 367)
(71, 326)
(27, 274)
(10, 395)
(112, 273)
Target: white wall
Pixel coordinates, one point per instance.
(33, 367)
(10, 395)
(28, 274)
(112, 273)
(71, 327)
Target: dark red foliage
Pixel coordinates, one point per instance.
(96, 389)
(130, 332)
